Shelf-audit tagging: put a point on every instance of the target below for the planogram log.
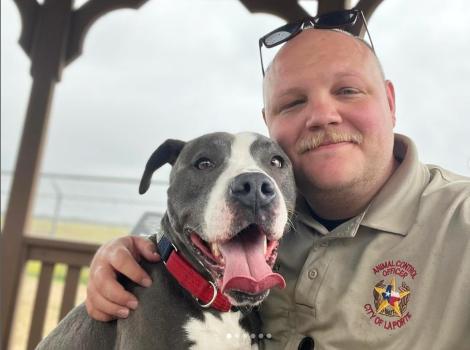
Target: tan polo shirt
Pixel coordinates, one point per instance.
(395, 277)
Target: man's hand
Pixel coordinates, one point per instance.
(106, 297)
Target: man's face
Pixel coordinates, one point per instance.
(328, 106)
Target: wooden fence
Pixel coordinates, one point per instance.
(75, 255)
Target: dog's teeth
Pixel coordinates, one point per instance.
(215, 250)
(265, 245)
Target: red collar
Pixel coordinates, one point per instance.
(205, 292)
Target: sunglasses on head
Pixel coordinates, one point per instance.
(346, 20)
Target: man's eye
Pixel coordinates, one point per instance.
(348, 91)
(204, 163)
(291, 104)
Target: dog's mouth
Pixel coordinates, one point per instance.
(242, 265)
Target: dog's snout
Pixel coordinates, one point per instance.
(253, 190)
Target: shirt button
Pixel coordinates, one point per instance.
(312, 274)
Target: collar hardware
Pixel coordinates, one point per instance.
(205, 306)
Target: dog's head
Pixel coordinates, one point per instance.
(229, 202)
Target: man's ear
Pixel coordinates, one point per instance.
(390, 91)
(167, 152)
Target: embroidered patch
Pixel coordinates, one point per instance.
(391, 294)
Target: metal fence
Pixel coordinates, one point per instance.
(100, 200)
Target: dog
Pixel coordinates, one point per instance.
(230, 199)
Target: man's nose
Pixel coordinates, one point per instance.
(322, 112)
(254, 190)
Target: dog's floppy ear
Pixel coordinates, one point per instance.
(166, 153)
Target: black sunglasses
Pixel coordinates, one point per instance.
(346, 20)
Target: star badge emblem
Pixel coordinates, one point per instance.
(391, 297)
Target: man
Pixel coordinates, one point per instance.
(379, 255)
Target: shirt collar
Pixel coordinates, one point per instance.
(345, 230)
(394, 208)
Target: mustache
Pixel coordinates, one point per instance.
(316, 139)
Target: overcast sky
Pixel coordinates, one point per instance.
(178, 69)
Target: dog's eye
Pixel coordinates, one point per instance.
(204, 163)
(277, 161)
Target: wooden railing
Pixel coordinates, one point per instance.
(75, 255)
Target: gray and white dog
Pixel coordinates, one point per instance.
(229, 203)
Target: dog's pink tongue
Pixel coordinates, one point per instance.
(246, 269)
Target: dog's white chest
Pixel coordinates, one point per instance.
(218, 333)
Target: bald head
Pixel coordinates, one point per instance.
(317, 44)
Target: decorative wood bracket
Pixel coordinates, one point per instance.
(29, 13)
(368, 7)
(77, 25)
(290, 10)
(86, 15)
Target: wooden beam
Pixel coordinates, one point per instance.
(289, 10)
(368, 7)
(58, 251)
(325, 6)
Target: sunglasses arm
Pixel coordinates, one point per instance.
(261, 55)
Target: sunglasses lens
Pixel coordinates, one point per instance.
(281, 34)
(277, 37)
(336, 19)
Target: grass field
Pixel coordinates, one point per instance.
(69, 230)
(78, 231)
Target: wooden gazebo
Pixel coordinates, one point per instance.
(52, 36)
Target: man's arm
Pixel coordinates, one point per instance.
(106, 297)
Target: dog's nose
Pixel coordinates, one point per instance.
(253, 190)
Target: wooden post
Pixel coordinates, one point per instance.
(47, 50)
(20, 201)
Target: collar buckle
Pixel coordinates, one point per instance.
(214, 295)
